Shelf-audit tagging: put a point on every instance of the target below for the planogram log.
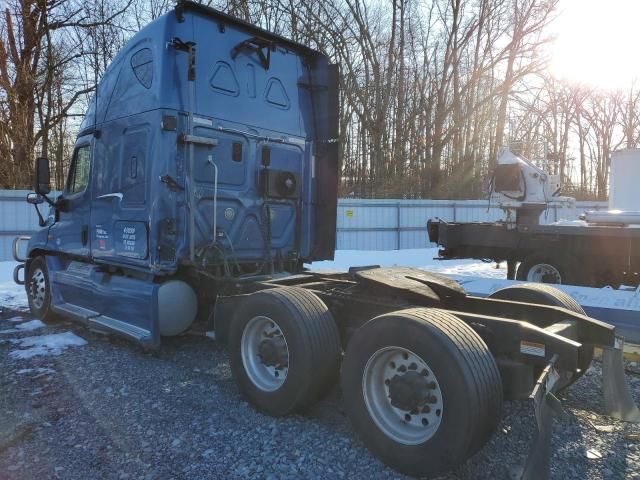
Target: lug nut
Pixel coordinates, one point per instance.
(413, 366)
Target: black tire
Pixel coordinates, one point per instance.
(562, 268)
(547, 295)
(38, 287)
(467, 376)
(313, 345)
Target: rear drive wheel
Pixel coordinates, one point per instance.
(421, 389)
(285, 349)
(38, 289)
(548, 295)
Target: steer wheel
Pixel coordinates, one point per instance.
(38, 289)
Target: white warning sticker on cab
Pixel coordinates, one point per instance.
(532, 348)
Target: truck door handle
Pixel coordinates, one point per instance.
(198, 140)
(109, 196)
(85, 235)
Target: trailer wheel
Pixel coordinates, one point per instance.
(38, 289)
(284, 349)
(543, 270)
(422, 390)
(548, 295)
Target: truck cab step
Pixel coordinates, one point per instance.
(75, 311)
(133, 332)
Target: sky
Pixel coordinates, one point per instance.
(597, 42)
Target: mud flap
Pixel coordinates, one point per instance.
(618, 401)
(546, 406)
(221, 315)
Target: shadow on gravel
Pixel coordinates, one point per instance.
(109, 410)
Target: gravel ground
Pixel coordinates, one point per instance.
(108, 410)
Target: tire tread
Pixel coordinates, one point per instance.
(482, 368)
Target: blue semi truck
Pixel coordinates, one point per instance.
(204, 177)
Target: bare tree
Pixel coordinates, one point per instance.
(35, 55)
(428, 92)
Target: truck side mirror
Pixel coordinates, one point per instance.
(34, 199)
(43, 176)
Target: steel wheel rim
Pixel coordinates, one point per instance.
(265, 376)
(38, 288)
(543, 272)
(408, 427)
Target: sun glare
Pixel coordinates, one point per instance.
(597, 43)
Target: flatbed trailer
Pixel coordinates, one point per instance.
(589, 255)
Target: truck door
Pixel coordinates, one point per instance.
(119, 214)
(227, 157)
(70, 234)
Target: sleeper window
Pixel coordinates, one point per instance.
(142, 64)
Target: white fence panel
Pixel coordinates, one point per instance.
(17, 217)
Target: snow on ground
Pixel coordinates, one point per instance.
(12, 296)
(53, 344)
(24, 327)
(424, 258)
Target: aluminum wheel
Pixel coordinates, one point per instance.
(544, 273)
(38, 288)
(265, 354)
(402, 395)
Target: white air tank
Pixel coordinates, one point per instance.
(177, 307)
(624, 181)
